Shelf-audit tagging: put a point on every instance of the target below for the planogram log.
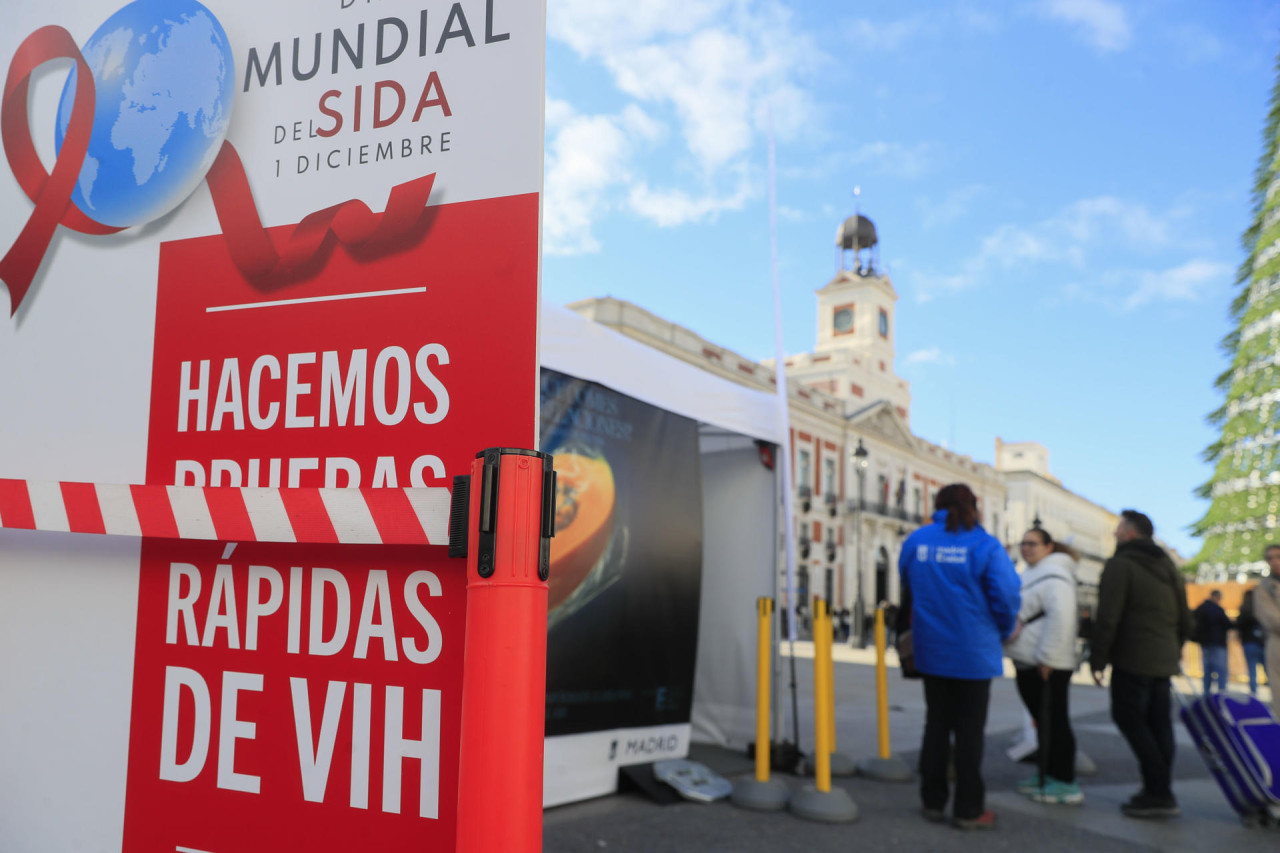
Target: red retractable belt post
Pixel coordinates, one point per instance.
(509, 506)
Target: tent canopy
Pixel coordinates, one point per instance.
(579, 347)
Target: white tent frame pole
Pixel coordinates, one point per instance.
(780, 375)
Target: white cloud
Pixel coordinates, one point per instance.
(1083, 225)
(1186, 283)
(1090, 217)
(670, 207)
(1124, 290)
(932, 355)
(1087, 235)
(1103, 23)
(710, 71)
(587, 156)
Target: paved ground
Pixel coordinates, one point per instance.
(889, 817)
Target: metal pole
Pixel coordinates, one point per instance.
(784, 446)
(860, 608)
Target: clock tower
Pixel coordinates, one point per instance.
(854, 354)
(855, 308)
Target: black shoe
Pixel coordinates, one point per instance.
(933, 815)
(1146, 805)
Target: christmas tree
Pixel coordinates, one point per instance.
(1244, 514)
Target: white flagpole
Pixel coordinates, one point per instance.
(784, 450)
(780, 359)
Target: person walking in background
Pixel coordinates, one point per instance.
(1252, 636)
(1141, 623)
(959, 599)
(1266, 607)
(1085, 634)
(891, 623)
(1043, 650)
(1211, 626)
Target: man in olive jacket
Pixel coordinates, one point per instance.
(1141, 624)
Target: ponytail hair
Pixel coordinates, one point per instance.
(961, 505)
(1055, 547)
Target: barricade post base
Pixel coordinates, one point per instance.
(770, 795)
(834, 806)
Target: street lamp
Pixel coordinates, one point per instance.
(859, 608)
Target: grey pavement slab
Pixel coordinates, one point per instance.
(889, 812)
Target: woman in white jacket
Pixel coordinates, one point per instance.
(1043, 649)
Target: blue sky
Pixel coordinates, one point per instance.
(1059, 186)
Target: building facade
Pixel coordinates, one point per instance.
(852, 508)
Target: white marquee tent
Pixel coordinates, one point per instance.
(739, 534)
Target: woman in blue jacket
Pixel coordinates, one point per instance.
(960, 599)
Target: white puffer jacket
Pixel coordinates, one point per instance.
(1049, 588)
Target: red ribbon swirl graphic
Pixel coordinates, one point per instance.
(351, 222)
(252, 249)
(50, 192)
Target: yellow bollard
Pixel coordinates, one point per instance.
(762, 793)
(764, 612)
(841, 764)
(820, 802)
(884, 767)
(821, 709)
(882, 685)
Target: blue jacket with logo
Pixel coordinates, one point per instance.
(964, 598)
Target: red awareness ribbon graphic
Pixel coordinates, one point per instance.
(252, 249)
(351, 222)
(51, 192)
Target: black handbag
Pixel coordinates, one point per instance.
(907, 655)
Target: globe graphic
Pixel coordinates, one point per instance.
(164, 78)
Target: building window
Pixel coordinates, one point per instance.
(802, 463)
(829, 475)
(882, 489)
(884, 323)
(842, 319)
(916, 498)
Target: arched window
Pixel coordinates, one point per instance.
(882, 576)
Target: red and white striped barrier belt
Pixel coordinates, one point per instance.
(347, 516)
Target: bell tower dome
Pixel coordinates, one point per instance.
(855, 308)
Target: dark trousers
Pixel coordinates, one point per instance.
(955, 708)
(1140, 706)
(1061, 745)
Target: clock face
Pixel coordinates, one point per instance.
(844, 320)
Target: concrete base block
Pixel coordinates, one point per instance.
(834, 806)
(886, 769)
(770, 795)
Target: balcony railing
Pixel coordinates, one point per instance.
(885, 510)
